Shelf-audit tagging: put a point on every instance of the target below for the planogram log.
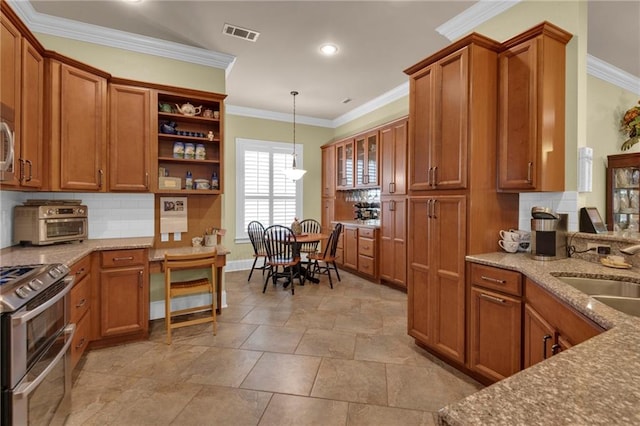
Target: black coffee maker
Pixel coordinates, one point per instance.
(548, 234)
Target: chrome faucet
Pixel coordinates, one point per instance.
(631, 250)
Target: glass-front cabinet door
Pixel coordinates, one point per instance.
(367, 160)
(344, 169)
(623, 192)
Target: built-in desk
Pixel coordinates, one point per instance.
(156, 256)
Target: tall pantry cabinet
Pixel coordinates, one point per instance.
(453, 207)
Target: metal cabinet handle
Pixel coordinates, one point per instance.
(435, 176)
(392, 205)
(146, 180)
(81, 303)
(434, 214)
(544, 345)
(30, 170)
(492, 298)
(80, 271)
(140, 279)
(120, 259)
(80, 343)
(492, 280)
(21, 170)
(429, 176)
(529, 171)
(100, 175)
(555, 348)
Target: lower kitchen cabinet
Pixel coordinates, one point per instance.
(80, 307)
(367, 249)
(495, 322)
(122, 296)
(393, 241)
(350, 249)
(550, 326)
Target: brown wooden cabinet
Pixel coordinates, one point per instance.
(439, 122)
(344, 164)
(393, 240)
(80, 307)
(550, 326)
(623, 192)
(436, 278)
(350, 247)
(122, 296)
(367, 251)
(495, 322)
(129, 138)
(78, 126)
(393, 158)
(328, 171)
(532, 110)
(366, 160)
(327, 214)
(22, 97)
(190, 130)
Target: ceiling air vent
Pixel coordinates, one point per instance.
(243, 33)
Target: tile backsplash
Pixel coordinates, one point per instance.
(559, 202)
(110, 215)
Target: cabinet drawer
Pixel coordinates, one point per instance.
(117, 258)
(366, 265)
(496, 278)
(80, 339)
(81, 268)
(366, 247)
(367, 232)
(80, 297)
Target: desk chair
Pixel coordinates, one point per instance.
(256, 235)
(282, 252)
(182, 288)
(328, 256)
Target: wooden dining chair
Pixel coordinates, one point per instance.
(256, 235)
(310, 226)
(283, 257)
(175, 288)
(327, 256)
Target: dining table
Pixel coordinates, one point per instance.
(303, 238)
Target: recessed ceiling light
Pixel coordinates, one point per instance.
(132, 1)
(329, 49)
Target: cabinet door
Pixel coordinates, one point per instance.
(366, 159)
(517, 117)
(421, 129)
(495, 334)
(129, 138)
(328, 171)
(345, 158)
(539, 337)
(623, 192)
(449, 161)
(327, 214)
(32, 139)
(419, 265)
(351, 248)
(393, 262)
(123, 301)
(82, 129)
(10, 98)
(447, 275)
(393, 159)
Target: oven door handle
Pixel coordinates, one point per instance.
(22, 318)
(25, 389)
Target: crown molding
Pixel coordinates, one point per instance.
(611, 74)
(466, 21)
(276, 116)
(66, 28)
(382, 100)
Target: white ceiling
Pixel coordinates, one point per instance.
(377, 40)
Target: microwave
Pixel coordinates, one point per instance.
(45, 224)
(7, 143)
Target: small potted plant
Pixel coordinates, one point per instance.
(630, 126)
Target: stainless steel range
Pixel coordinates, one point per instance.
(36, 336)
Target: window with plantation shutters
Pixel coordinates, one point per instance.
(263, 193)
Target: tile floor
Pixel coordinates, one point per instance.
(320, 357)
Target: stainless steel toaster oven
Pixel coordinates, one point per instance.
(43, 222)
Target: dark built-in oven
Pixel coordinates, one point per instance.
(36, 338)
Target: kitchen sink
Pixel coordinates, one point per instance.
(623, 296)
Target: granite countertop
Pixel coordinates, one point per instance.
(595, 382)
(375, 224)
(68, 253)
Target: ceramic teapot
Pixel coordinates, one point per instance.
(188, 109)
(164, 107)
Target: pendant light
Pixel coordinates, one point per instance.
(294, 173)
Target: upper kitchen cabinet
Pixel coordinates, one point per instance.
(189, 139)
(78, 125)
(367, 159)
(623, 192)
(393, 158)
(328, 171)
(344, 164)
(532, 110)
(129, 137)
(22, 98)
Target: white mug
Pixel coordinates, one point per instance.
(509, 236)
(524, 235)
(509, 246)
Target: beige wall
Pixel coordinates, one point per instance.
(311, 137)
(385, 114)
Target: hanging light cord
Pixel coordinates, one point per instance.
(294, 93)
